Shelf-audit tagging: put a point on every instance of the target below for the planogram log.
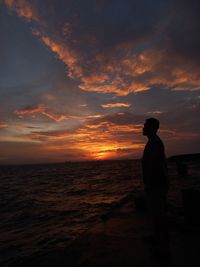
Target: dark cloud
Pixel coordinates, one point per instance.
(122, 118)
(183, 30)
(42, 109)
(121, 47)
(34, 152)
(185, 117)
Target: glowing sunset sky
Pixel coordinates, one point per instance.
(79, 77)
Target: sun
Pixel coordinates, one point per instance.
(103, 152)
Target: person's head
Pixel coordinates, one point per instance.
(151, 126)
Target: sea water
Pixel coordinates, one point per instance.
(45, 207)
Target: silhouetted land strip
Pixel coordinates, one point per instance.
(182, 162)
(184, 157)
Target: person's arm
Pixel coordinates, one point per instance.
(156, 161)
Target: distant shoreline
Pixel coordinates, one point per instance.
(66, 162)
(174, 158)
(184, 157)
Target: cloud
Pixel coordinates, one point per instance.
(116, 136)
(113, 47)
(24, 9)
(3, 125)
(67, 55)
(15, 126)
(116, 105)
(54, 117)
(31, 109)
(119, 52)
(120, 118)
(154, 112)
(101, 137)
(42, 109)
(33, 152)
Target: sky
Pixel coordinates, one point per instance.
(79, 78)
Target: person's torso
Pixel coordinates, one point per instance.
(154, 165)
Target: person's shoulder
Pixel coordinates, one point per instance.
(156, 141)
(160, 143)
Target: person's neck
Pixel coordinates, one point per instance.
(151, 136)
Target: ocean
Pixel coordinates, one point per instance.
(45, 207)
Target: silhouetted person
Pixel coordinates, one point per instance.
(155, 181)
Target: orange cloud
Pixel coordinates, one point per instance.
(3, 125)
(56, 118)
(153, 67)
(116, 105)
(150, 68)
(96, 151)
(97, 140)
(24, 9)
(10, 124)
(95, 78)
(67, 55)
(41, 109)
(31, 110)
(97, 116)
(121, 70)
